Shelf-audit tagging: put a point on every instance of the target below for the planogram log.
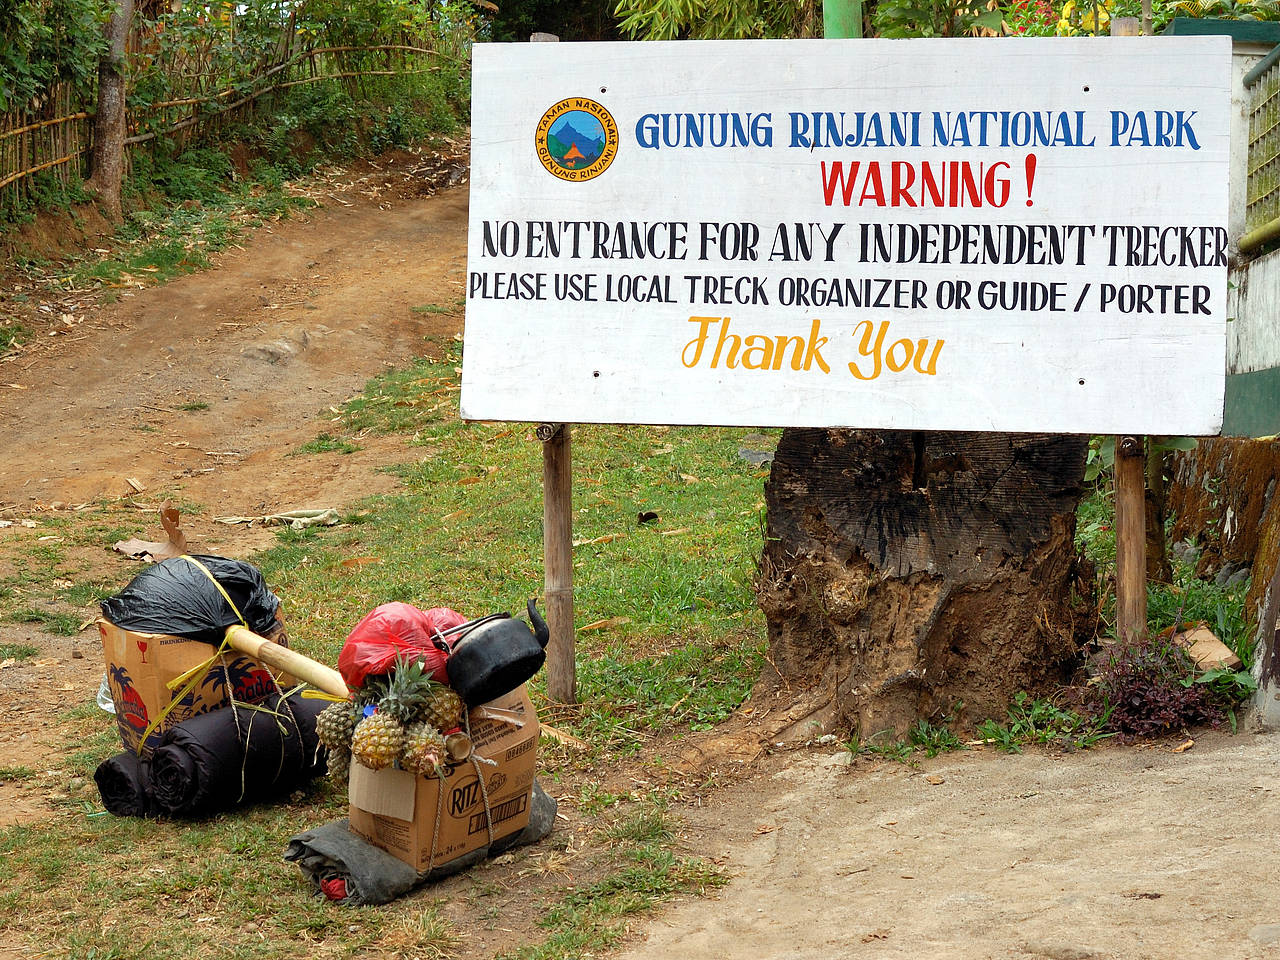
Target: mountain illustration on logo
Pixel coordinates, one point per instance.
(576, 140)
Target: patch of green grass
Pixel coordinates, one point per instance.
(1191, 600)
(438, 308)
(194, 406)
(933, 739)
(63, 624)
(406, 400)
(924, 736)
(13, 774)
(644, 871)
(592, 799)
(13, 335)
(85, 593)
(327, 443)
(1032, 720)
(669, 633)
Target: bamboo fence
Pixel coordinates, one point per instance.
(57, 136)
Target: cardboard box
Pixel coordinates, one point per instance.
(396, 809)
(141, 665)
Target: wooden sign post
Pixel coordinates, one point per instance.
(1130, 495)
(557, 553)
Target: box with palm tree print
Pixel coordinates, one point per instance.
(149, 673)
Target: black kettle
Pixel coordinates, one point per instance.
(496, 655)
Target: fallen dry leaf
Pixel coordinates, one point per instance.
(605, 624)
(1184, 747)
(934, 779)
(156, 551)
(607, 538)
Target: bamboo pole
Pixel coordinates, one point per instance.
(43, 123)
(557, 547)
(317, 674)
(28, 171)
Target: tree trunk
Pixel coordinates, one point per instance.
(919, 574)
(107, 177)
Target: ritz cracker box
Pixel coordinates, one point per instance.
(140, 667)
(396, 809)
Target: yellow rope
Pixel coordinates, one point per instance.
(194, 677)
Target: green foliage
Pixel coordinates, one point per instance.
(1095, 527)
(1030, 18)
(933, 739)
(1041, 721)
(515, 20)
(926, 18)
(716, 19)
(1191, 600)
(1101, 458)
(1147, 687)
(924, 736)
(43, 191)
(1229, 9)
(45, 42)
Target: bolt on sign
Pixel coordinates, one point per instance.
(1022, 235)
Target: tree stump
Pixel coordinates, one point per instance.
(919, 574)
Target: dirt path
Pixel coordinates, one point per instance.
(1115, 853)
(254, 350)
(1110, 853)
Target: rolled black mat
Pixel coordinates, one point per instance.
(124, 783)
(228, 757)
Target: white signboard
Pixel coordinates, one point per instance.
(1023, 234)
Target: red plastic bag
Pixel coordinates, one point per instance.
(391, 632)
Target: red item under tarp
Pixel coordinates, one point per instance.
(392, 632)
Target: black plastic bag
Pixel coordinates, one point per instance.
(176, 597)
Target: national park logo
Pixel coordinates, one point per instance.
(576, 139)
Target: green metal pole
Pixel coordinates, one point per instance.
(842, 19)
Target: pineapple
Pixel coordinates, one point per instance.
(423, 750)
(334, 727)
(443, 709)
(379, 737)
(339, 765)
(377, 741)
